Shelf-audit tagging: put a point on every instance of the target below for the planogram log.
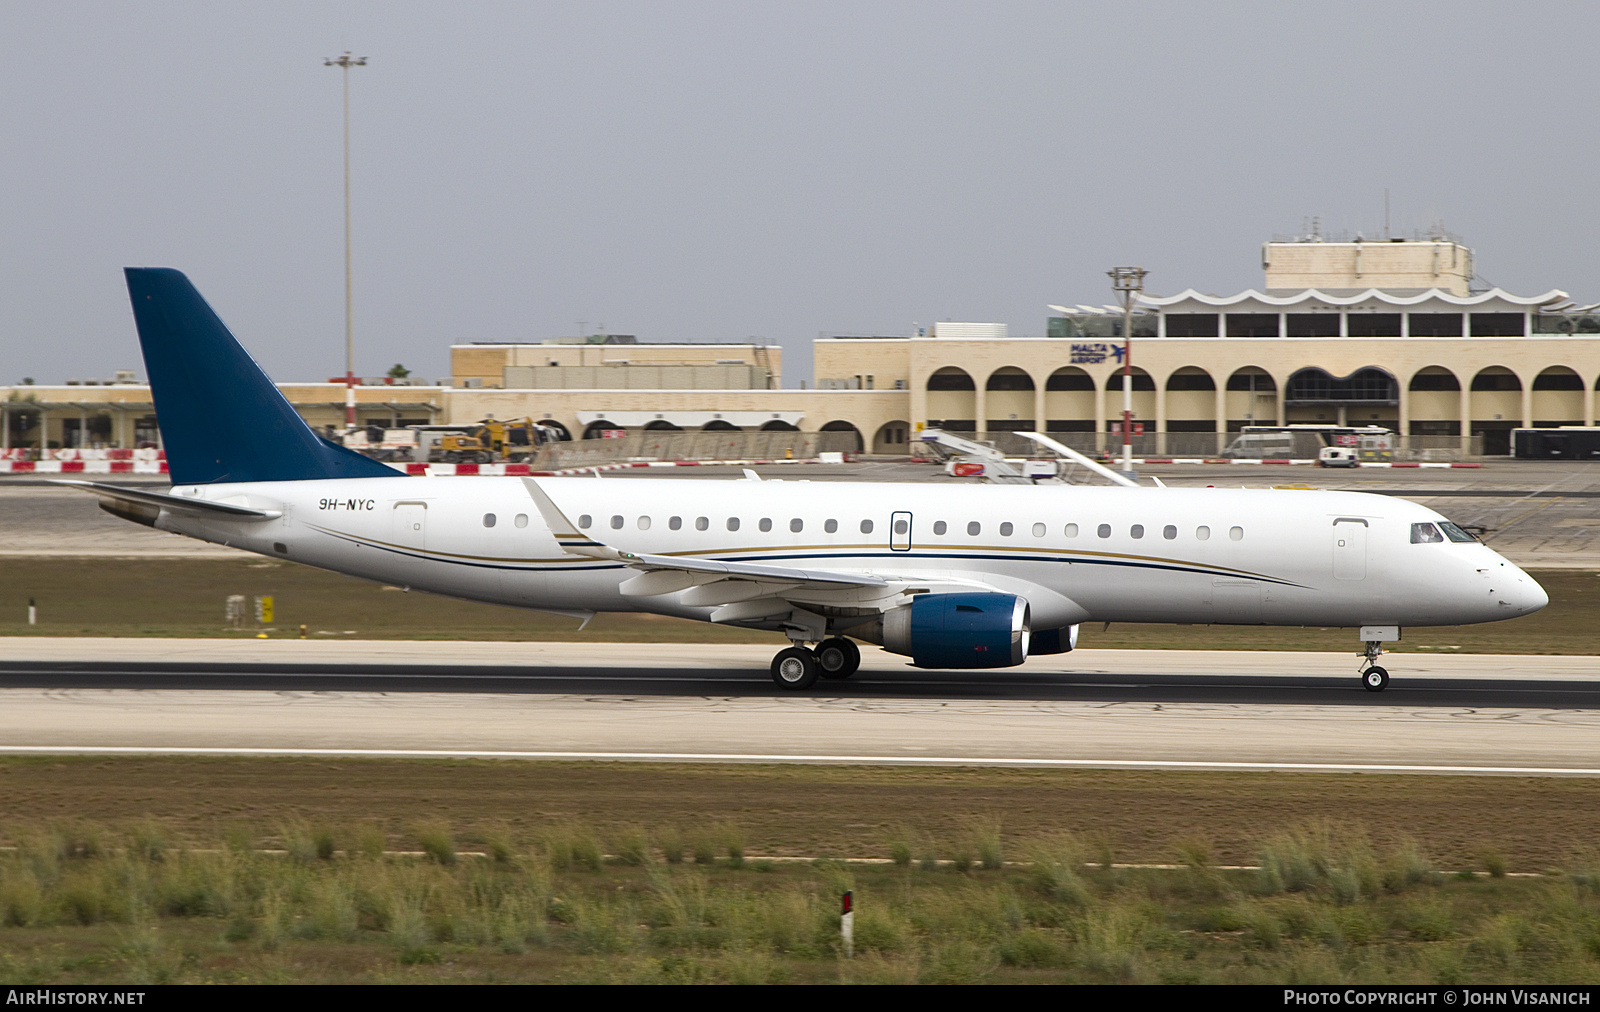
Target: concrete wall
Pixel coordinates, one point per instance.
(1410, 264)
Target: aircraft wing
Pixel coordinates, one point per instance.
(695, 572)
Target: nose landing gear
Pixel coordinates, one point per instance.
(798, 668)
(1374, 678)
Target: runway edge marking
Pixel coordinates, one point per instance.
(1174, 764)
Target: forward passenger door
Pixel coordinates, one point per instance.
(1349, 548)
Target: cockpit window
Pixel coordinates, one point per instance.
(1425, 534)
(1455, 533)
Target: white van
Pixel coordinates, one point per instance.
(1337, 456)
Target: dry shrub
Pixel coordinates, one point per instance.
(631, 845)
(1054, 866)
(570, 845)
(438, 843)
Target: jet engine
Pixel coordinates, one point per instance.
(959, 630)
(1053, 641)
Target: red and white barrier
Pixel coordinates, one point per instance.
(83, 467)
(1272, 460)
(150, 464)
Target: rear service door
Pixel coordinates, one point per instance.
(410, 526)
(900, 532)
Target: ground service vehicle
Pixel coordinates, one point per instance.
(491, 441)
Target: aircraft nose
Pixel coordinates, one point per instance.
(1533, 596)
(1520, 593)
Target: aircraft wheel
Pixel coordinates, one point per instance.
(795, 668)
(1375, 679)
(838, 657)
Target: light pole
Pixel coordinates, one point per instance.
(1128, 282)
(345, 62)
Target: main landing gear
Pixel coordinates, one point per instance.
(799, 668)
(1374, 678)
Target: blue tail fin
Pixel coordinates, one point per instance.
(222, 419)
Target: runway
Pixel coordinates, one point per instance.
(1176, 709)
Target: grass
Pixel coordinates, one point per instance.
(111, 597)
(587, 809)
(208, 910)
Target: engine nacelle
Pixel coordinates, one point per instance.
(1053, 641)
(960, 630)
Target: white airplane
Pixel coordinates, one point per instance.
(952, 576)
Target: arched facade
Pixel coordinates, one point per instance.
(1250, 397)
(1433, 402)
(555, 430)
(1190, 404)
(1008, 400)
(952, 399)
(1369, 395)
(1069, 401)
(1557, 397)
(1496, 405)
(892, 437)
(855, 443)
(1144, 400)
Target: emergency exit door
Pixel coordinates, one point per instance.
(900, 532)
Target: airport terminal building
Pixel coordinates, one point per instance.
(1343, 330)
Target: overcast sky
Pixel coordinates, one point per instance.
(723, 170)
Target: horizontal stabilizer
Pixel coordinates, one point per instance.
(143, 507)
(221, 418)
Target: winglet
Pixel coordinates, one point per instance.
(567, 535)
